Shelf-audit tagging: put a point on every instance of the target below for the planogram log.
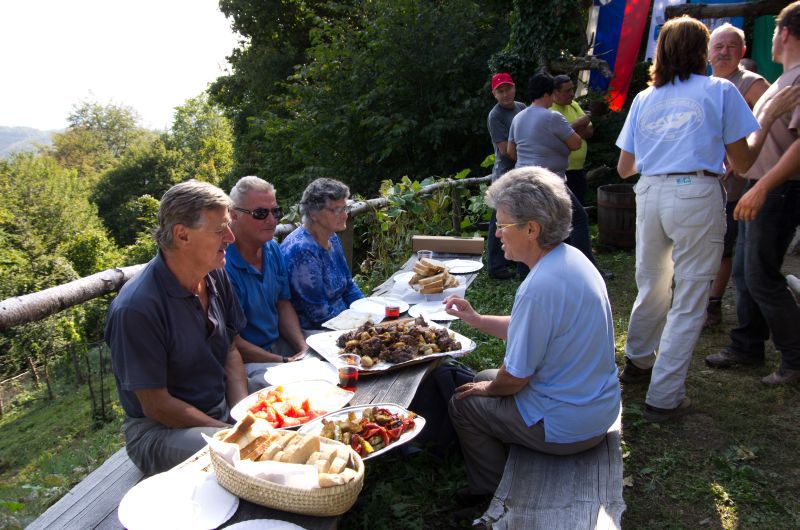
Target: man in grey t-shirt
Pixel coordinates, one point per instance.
(498, 123)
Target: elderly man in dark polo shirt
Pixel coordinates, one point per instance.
(171, 331)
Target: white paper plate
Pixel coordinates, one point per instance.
(315, 427)
(308, 369)
(325, 345)
(177, 500)
(463, 266)
(322, 395)
(403, 277)
(430, 311)
(264, 524)
(377, 305)
(349, 319)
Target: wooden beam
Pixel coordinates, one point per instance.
(743, 9)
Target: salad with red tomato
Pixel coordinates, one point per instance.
(282, 411)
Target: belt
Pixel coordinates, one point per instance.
(684, 173)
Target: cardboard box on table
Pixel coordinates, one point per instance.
(455, 245)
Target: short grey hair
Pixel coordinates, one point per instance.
(318, 193)
(534, 194)
(560, 80)
(247, 184)
(184, 204)
(725, 28)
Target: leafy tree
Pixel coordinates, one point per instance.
(145, 169)
(204, 138)
(388, 88)
(97, 136)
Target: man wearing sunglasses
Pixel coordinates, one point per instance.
(257, 269)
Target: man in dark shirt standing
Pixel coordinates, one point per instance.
(499, 122)
(171, 331)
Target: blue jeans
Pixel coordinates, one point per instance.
(764, 305)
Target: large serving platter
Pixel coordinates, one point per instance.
(315, 426)
(325, 345)
(322, 395)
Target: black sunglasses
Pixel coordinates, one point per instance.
(262, 213)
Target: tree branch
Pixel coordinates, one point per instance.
(746, 9)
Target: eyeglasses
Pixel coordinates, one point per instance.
(262, 213)
(503, 226)
(339, 210)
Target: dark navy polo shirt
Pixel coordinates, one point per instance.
(158, 337)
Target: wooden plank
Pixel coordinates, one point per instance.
(95, 498)
(540, 491)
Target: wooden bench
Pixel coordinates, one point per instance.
(546, 492)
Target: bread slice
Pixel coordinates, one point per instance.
(302, 447)
(432, 288)
(432, 265)
(327, 454)
(439, 277)
(451, 281)
(338, 465)
(330, 479)
(254, 449)
(240, 431)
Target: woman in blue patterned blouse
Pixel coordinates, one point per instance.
(319, 278)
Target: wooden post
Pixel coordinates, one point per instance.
(455, 199)
(76, 365)
(32, 368)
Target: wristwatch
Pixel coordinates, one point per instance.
(285, 359)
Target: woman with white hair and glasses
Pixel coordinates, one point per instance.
(319, 277)
(557, 390)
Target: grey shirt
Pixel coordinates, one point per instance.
(499, 122)
(539, 135)
(159, 337)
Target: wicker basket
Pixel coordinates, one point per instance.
(333, 500)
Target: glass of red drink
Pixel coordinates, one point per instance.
(348, 366)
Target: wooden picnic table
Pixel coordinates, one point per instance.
(93, 503)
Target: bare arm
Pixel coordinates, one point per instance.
(626, 166)
(573, 142)
(755, 91)
(161, 406)
(504, 384)
(255, 354)
(502, 148)
(742, 153)
(289, 327)
(583, 127)
(235, 375)
(496, 326)
(752, 201)
(511, 150)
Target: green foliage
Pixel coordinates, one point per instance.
(90, 251)
(362, 107)
(204, 139)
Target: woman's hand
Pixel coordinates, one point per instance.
(480, 388)
(459, 307)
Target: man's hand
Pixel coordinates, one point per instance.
(750, 203)
(297, 356)
(480, 388)
(785, 100)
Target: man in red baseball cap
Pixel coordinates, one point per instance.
(499, 122)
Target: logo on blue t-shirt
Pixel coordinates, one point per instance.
(671, 119)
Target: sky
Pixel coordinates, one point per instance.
(151, 55)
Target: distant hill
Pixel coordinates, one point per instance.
(13, 139)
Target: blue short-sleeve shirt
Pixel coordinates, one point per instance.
(259, 291)
(159, 337)
(561, 335)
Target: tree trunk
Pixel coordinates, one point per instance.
(576, 64)
(744, 9)
(455, 198)
(47, 379)
(36, 306)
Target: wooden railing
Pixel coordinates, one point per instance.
(36, 306)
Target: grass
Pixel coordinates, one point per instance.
(729, 465)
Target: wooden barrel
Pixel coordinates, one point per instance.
(616, 215)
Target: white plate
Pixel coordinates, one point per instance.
(307, 369)
(403, 277)
(430, 311)
(463, 266)
(177, 500)
(325, 345)
(264, 524)
(322, 396)
(377, 305)
(315, 427)
(349, 319)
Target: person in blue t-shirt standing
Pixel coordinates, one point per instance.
(499, 122)
(257, 270)
(557, 390)
(676, 135)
